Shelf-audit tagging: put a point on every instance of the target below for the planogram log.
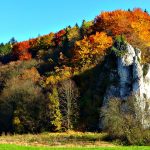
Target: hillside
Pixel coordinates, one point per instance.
(59, 81)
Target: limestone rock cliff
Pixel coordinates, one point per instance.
(131, 77)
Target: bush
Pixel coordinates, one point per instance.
(120, 46)
(22, 107)
(122, 120)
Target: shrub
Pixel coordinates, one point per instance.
(120, 46)
(24, 104)
(122, 120)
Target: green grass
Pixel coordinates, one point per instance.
(14, 147)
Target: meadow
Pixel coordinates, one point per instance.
(62, 141)
(67, 139)
(14, 147)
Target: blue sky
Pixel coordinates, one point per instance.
(24, 19)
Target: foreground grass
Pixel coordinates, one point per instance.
(67, 139)
(14, 147)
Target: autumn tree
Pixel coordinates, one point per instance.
(22, 107)
(92, 48)
(57, 108)
(69, 95)
(55, 114)
(73, 34)
(86, 28)
(113, 23)
(21, 50)
(34, 46)
(46, 41)
(59, 38)
(134, 25)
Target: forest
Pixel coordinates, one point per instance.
(52, 83)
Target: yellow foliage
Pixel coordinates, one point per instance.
(60, 75)
(90, 47)
(16, 121)
(51, 80)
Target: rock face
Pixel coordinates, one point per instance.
(131, 78)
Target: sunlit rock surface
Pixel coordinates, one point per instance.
(132, 78)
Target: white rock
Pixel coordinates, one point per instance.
(132, 81)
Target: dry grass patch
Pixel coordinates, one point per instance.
(69, 139)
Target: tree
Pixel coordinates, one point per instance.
(134, 25)
(55, 114)
(146, 11)
(5, 49)
(73, 34)
(12, 40)
(21, 50)
(59, 38)
(86, 28)
(46, 41)
(91, 49)
(122, 119)
(22, 107)
(69, 95)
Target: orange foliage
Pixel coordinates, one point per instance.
(92, 47)
(21, 50)
(114, 23)
(132, 24)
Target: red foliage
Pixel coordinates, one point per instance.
(21, 50)
(60, 33)
(59, 37)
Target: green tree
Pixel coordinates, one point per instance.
(5, 49)
(86, 28)
(73, 34)
(12, 40)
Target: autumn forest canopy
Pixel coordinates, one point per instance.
(133, 25)
(50, 83)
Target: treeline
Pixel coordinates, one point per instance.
(51, 83)
(27, 106)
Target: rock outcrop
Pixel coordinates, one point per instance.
(131, 78)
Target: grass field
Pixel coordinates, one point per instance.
(67, 139)
(61, 141)
(14, 147)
